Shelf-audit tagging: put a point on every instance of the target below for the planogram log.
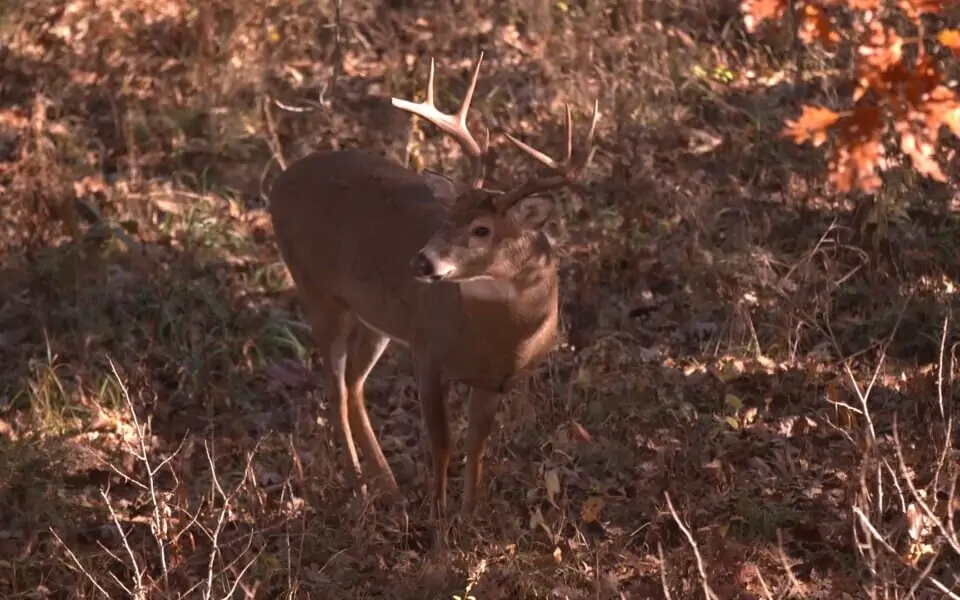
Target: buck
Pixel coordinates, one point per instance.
(463, 276)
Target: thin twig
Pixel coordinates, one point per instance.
(943, 344)
(707, 591)
(944, 414)
(76, 561)
(663, 573)
(337, 49)
(276, 148)
(876, 535)
(138, 593)
(218, 490)
(763, 584)
(924, 506)
(158, 525)
(863, 395)
(787, 567)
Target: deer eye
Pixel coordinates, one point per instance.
(481, 231)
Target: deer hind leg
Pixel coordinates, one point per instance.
(482, 415)
(365, 349)
(331, 324)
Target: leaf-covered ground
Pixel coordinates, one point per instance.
(755, 392)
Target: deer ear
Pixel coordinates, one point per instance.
(443, 188)
(532, 212)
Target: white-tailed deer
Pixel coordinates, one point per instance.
(465, 277)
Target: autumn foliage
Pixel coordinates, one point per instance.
(900, 100)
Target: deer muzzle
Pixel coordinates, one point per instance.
(429, 267)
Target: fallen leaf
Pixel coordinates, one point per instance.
(270, 479)
(917, 521)
(7, 431)
(536, 520)
(168, 206)
(590, 510)
(733, 401)
(580, 433)
(552, 483)
(102, 422)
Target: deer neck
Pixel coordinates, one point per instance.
(514, 320)
(525, 303)
(524, 299)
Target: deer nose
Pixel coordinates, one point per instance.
(422, 266)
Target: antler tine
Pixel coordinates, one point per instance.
(564, 173)
(532, 152)
(454, 125)
(429, 100)
(468, 96)
(568, 159)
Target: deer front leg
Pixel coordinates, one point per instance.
(483, 413)
(433, 410)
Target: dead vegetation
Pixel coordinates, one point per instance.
(756, 395)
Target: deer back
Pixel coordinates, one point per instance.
(347, 223)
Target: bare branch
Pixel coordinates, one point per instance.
(707, 591)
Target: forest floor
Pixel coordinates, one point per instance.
(754, 392)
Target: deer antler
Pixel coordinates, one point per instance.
(455, 125)
(566, 172)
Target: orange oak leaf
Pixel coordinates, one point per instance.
(951, 118)
(813, 124)
(854, 4)
(864, 4)
(915, 8)
(941, 108)
(919, 111)
(858, 154)
(755, 12)
(884, 47)
(880, 62)
(951, 39)
(920, 144)
(817, 26)
(919, 82)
